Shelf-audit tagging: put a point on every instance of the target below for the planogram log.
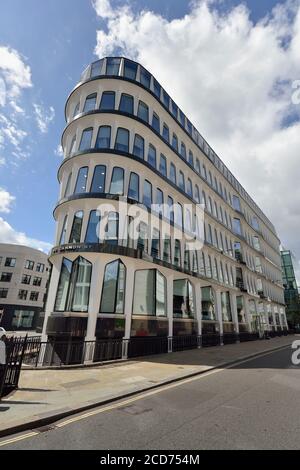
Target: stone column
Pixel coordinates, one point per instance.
(198, 307)
(129, 288)
(219, 314)
(234, 314)
(170, 311)
(247, 312)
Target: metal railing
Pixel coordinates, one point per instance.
(181, 343)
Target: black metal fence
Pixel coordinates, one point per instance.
(10, 372)
(210, 339)
(230, 338)
(181, 343)
(147, 345)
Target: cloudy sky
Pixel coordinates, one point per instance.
(232, 66)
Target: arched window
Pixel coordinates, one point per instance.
(183, 299)
(86, 139)
(163, 165)
(170, 214)
(76, 228)
(177, 253)
(147, 194)
(103, 138)
(155, 122)
(113, 290)
(197, 194)
(172, 173)
(197, 166)
(74, 286)
(189, 188)
(138, 146)
(152, 156)
(183, 150)
(159, 201)
(93, 228)
(155, 244)
(122, 140)
(178, 215)
(175, 142)
(187, 261)
(191, 158)
(134, 185)
(117, 181)
(167, 249)
(166, 133)
(98, 183)
(143, 238)
(112, 228)
(90, 103)
(81, 180)
(126, 103)
(143, 111)
(107, 101)
(62, 239)
(181, 183)
(150, 293)
(204, 199)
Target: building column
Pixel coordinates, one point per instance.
(198, 300)
(170, 311)
(94, 306)
(219, 314)
(234, 314)
(129, 287)
(247, 312)
(266, 314)
(274, 316)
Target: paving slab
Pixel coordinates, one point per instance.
(45, 396)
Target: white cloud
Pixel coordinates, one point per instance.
(10, 235)
(233, 79)
(59, 151)
(43, 117)
(6, 200)
(15, 73)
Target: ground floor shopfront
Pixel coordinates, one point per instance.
(19, 317)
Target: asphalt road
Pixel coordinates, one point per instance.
(254, 405)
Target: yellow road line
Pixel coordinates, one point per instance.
(137, 398)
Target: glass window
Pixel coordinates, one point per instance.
(3, 293)
(174, 109)
(181, 118)
(81, 180)
(93, 228)
(6, 277)
(166, 133)
(143, 111)
(143, 238)
(107, 101)
(72, 146)
(37, 281)
(165, 99)
(10, 262)
(122, 140)
(236, 203)
(76, 228)
(226, 308)
(197, 166)
(191, 159)
(181, 181)
(62, 239)
(183, 299)
(113, 290)
(145, 77)
(117, 181)
(189, 188)
(147, 194)
(126, 104)
(155, 244)
(187, 263)
(197, 194)
(63, 285)
(208, 304)
(134, 185)
(177, 253)
(237, 226)
(68, 186)
(40, 267)
(138, 146)
(167, 249)
(103, 138)
(113, 65)
(173, 173)
(112, 228)
(149, 293)
(80, 281)
(183, 150)
(34, 296)
(204, 172)
(86, 139)
(96, 68)
(130, 69)
(29, 264)
(98, 183)
(175, 142)
(90, 103)
(179, 215)
(163, 165)
(156, 88)
(170, 209)
(152, 155)
(155, 122)
(76, 109)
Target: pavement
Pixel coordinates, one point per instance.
(45, 396)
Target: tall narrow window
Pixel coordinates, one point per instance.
(72, 146)
(237, 226)
(197, 194)
(112, 228)
(143, 111)
(163, 165)
(152, 156)
(107, 101)
(187, 262)
(236, 203)
(90, 103)
(62, 239)
(126, 103)
(191, 159)
(93, 228)
(156, 88)
(143, 238)
(177, 253)
(76, 109)
(134, 185)
(81, 180)
(178, 215)
(80, 285)
(173, 173)
(96, 68)
(113, 291)
(130, 69)
(149, 293)
(167, 249)
(98, 183)
(117, 181)
(113, 65)
(165, 99)
(68, 186)
(86, 139)
(145, 77)
(138, 146)
(183, 299)
(197, 166)
(166, 133)
(155, 244)
(159, 201)
(175, 142)
(181, 181)
(170, 209)
(122, 140)
(189, 188)
(103, 138)
(147, 194)
(183, 150)
(76, 228)
(63, 285)
(155, 122)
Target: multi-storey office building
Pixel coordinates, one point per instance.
(24, 274)
(291, 294)
(128, 145)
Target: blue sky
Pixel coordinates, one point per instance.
(57, 39)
